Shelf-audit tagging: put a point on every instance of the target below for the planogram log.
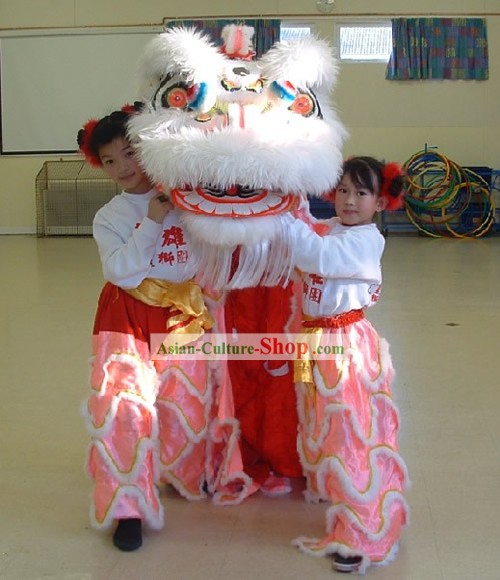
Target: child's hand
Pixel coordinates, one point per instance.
(159, 206)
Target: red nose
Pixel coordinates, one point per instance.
(233, 190)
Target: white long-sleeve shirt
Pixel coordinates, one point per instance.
(133, 247)
(341, 270)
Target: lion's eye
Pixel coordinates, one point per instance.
(304, 105)
(229, 85)
(175, 97)
(256, 87)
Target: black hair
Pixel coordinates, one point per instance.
(368, 173)
(107, 129)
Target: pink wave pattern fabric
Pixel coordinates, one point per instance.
(155, 421)
(348, 428)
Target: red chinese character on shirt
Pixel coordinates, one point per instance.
(315, 295)
(305, 289)
(375, 290)
(182, 256)
(166, 258)
(315, 279)
(173, 235)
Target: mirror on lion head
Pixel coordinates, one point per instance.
(236, 142)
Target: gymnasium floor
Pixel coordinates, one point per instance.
(440, 310)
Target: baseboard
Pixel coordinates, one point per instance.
(18, 231)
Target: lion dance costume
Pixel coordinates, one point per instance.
(237, 144)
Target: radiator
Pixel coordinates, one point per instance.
(68, 195)
(71, 213)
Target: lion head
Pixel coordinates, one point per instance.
(237, 141)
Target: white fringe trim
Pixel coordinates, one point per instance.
(268, 262)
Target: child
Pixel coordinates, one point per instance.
(348, 422)
(137, 402)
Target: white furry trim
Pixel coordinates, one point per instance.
(310, 496)
(332, 548)
(155, 520)
(334, 466)
(353, 338)
(344, 550)
(204, 398)
(338, 408)
(183, 51)
(181, 488)
(300, 157)
(304, 62)
(146, 369)
(105, 428)
(193, 436)
(390, 498)
(181, 375)
(222, 477)
(386, 367)
(128, 477)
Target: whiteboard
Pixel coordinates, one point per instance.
(51, 83)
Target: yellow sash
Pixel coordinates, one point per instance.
(189, 313)
(303, 367)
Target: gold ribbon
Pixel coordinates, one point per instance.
(185, 299)
(303, 367)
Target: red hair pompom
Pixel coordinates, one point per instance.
(130, 109)
(391, 172)
(86, 136)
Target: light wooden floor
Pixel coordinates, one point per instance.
(440, 311)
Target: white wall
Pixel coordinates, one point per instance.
(387, 119)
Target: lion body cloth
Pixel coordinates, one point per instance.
(237, 143)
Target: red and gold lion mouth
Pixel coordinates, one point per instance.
(236, 202)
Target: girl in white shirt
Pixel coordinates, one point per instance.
(348, 422)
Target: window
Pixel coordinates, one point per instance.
(365, 41)
(294, 31)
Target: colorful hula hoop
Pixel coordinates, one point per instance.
(446, 200)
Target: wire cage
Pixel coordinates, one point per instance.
(68, 195)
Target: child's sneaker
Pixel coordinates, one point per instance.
(349, 564)
(275, 486)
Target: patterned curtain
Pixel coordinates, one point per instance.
(267, 32)
(438, 48)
